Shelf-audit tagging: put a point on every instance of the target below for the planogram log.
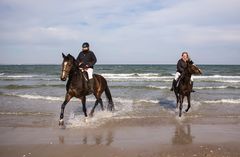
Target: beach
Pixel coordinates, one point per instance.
(136, 137)
(145, 122)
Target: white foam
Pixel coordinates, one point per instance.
(147, 101)
(18, 76)
(51, 98)
(158, 87)
(228, 81)
(136, 77)
(215, 87)
(99, 118)
(216, 77)
(229, 101)
(122, 108)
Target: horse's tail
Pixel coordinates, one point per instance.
(109, 97)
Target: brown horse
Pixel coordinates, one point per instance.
(77, 86)
(184, 87)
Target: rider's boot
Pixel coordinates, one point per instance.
(174, 83)
(191, 83)
(90, 85)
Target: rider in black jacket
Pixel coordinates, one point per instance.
(86, 60)
(181, 65)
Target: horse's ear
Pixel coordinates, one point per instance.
(63, 55)
(191, 62)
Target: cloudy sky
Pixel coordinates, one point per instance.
(120, 31)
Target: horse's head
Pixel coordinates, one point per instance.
(67, 64)
(193, 69)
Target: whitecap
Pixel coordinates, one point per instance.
(230, 101)
(158, 87)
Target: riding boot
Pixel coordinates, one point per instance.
(174, 83)
(90, 85)
(192, 86)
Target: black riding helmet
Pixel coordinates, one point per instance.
(85, 45)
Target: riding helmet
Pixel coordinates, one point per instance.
(85, 45)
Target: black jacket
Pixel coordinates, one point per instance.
(87, 58)
(181, 65)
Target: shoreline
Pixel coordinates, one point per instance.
(142, 137)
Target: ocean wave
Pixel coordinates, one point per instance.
(217, 87)
(228, 101)
(216, 77)
(196, 87)
(16, 87)
(136, 77)
(125, 77)
(158, 87)
(29, 77)
(219, 81)
(41, 97)
(158, 77)
(54, 98)
(35, 97)
(18, 76)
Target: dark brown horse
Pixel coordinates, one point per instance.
(77, 86)
(184, 87)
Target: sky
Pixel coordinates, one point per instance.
(120, 31)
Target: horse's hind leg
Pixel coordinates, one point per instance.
(95, 105)
(189, 103)
(101, 103)
(67, 99)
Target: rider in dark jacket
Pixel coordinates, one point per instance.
(86, 60)
(181, 65)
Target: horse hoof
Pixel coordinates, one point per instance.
(186, 110)
(61, 122)
(180, 114)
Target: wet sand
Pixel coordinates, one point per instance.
(156, 137)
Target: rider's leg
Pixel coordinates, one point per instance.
(174, 83)
(90, 77)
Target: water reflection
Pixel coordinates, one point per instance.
(182, 134)
(88, 138)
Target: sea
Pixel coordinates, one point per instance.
(31, 95)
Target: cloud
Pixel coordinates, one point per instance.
(146, 31)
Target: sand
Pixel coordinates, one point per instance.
(148, 137)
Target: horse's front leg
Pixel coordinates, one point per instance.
(177, 97)
(67, 99)
(189, 102)
(181, 97)
(83, 99)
